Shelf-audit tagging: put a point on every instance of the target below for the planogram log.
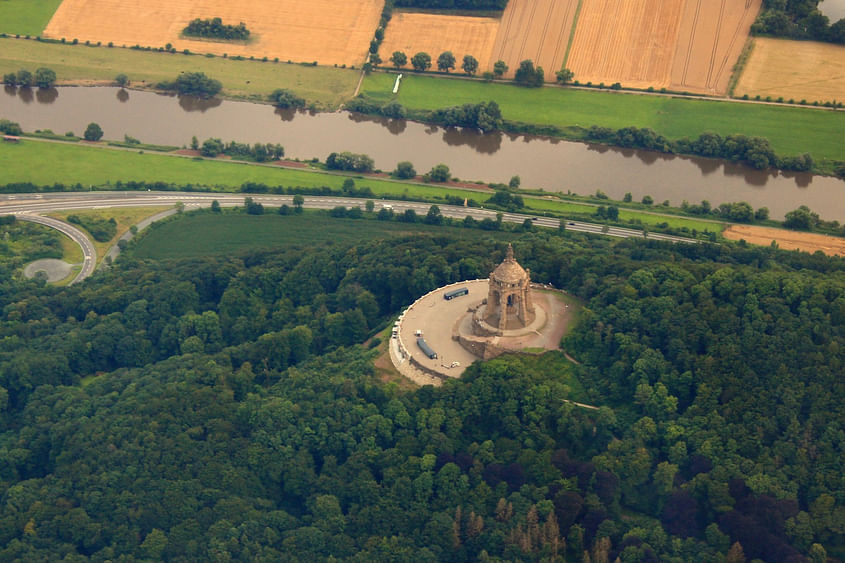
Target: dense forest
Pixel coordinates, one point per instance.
(228, 409)
(798, 19)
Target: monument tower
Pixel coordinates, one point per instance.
(509, 305)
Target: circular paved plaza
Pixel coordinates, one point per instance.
(440, 322)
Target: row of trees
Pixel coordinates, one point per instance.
(756, 152)
(42, 78)
(454, 4)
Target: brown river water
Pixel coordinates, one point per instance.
(549, 164)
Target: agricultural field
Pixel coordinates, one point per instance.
(787, 240)
(26, 17)
(79, 64)
(208, 234)
(711, 37)
(687, 45)
(326, 31)
(412, 32)
(628, 42)
(801, 70)
(539, 30)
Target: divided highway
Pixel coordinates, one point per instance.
(28, 207)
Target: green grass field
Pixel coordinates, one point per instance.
(208, 234)
(95, 166)
(326, 87)
(26, 17)
(791, 130)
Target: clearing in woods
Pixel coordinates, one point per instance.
(535, 29)
(787, 240)
(801, 70)
(412, 33)
(326, 31)
(688, 45)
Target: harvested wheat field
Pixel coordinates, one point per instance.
(711, 37)
(412, 33)
(787, 240)
(535, 29)
(326, 31)
(688, 45)
(802, 70)
(627, 41)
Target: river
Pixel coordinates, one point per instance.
(549, 164)
(833, 9)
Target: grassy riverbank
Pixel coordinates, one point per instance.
(326, 87)
(101, 167)
(791, 130)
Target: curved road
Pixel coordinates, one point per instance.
(26, 206)
(89, 253)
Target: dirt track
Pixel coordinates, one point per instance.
(432, 33)
(787, 240)
(326, 31)
(794, 69)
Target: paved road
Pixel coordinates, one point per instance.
(28, 206)
(89, 253)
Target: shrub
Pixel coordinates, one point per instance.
(283, 98)
(93, 132)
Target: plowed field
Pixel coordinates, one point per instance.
(787, 240)
(411, 33)
(687, 45)
(326, 31)
(802, 70)
(535, 29)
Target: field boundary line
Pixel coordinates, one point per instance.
(572, 33)
(740, 63)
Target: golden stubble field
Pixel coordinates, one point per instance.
(412, 33)
(327, 31)
(689, 45)
(538, 30)
(802, 70)
(787, 240)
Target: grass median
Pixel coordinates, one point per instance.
(791, 130)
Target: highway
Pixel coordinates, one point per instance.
(28, 206)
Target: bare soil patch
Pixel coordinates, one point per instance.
(412, 32)
(787, 240)
(802, 70)
(535, 29)
(710, 39)
(326, 31)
